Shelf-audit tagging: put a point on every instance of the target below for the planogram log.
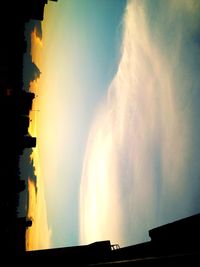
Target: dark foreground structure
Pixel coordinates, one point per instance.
(15, 105)
(173, 244)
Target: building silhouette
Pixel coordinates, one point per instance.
(34, 9)
(173, 244)
(23, 122)
(21, 224)
(24, 102)
(29, 141)
(21, 185)
(15, 106)
(19, 101)
(96, 252)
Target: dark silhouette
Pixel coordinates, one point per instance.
(29, 141)
(35, 9)
(171, 244)
(21, 186)
(15, 106)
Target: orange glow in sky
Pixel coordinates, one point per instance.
(38, 236)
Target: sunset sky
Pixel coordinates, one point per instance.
(116, 119)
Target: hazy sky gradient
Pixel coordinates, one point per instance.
(118, 122)
(77, 59)
(38, 236)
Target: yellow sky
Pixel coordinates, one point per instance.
(47, 126)
(39, 235)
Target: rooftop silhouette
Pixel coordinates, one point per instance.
(173, 243)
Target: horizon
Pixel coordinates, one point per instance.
(117, 127)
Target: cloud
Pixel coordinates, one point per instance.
(101, 186)
(140, 148)
(32, 57)
(38, 236)
(31, 72)
(31, 26)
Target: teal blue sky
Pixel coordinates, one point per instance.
(87, 36)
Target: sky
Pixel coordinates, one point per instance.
(116, 119)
